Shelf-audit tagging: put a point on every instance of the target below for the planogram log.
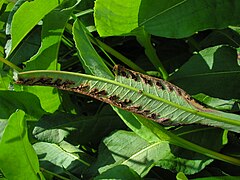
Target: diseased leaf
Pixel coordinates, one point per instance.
(150, 97)
(18, 159)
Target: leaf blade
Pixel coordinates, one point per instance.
(22, 163)
(144, 95)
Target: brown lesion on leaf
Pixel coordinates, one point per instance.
(45, 81)
(160, 84)
(113, 97)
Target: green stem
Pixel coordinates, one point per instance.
(116, 54)
(145, 40)
(110, 50)
(53, 174)
(194, 147)
(10, 64)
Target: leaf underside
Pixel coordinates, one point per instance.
(150, 97)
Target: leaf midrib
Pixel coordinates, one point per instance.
(162, 12)
(151, 96)
(207, 74)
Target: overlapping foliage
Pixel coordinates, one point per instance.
(57, 57)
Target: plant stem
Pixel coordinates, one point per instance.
(194, 147)
(145, 40)
(10, 64)
(56, 175)
(116, 54)
(109, 50)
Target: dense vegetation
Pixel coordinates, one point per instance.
(131, 89)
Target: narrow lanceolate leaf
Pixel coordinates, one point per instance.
(150, 97)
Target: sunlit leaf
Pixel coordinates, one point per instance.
(18, 159)
(113, 17)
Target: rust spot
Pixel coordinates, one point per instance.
(144, 112)
(67, 83)
(178, 90)
(152, 116)
(124, 103)
(162, 120)
(169, 86)
(159, 85)
(84, 87)
(28, 81)
(113, 98)
(146, 80)
(134, 108)
(93, 91)
(133, 76)
(57, 82)
(102, 93)
(42, 81)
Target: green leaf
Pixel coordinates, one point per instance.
(58, 159)
(127, 148)
(27, 48)
(116, 18)
(11, 101)
(214, 71)
(54, 128)
(92, 62)
(47, 56)
(22, 24)
(150, 97)
(216, 103)
(182, 18)
(120, 172)
(17, 157)
(219, 178)
(177, 159)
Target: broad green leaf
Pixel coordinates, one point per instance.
(216, 103)
(52, 30)
(214, 71)
(150, 97)
(182, 18)
(91, 61)
(221, 37)
(218, 178)
(54, 128)
(127, 148)
(29, 103)
(27, 48)
(58, 159)
(47, 56)
(113, 17)
(18, 159)
(21, 23)
(120, 172)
